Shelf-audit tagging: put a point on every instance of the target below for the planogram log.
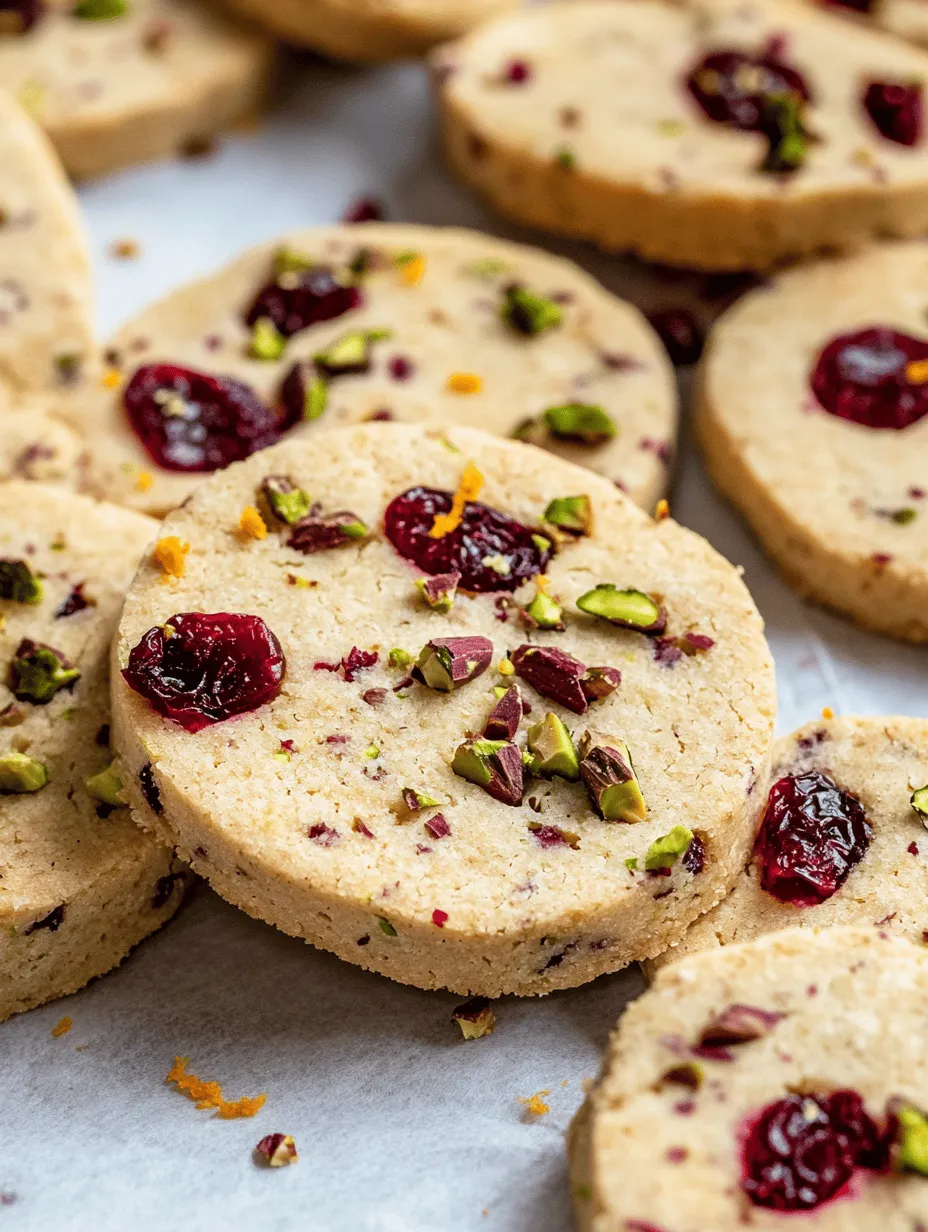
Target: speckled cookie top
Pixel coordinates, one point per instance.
(322, 784)
(336, 325)
(785, 1075)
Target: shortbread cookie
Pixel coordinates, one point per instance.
(716, 135)
(814, 390)
(340, 324)
(381, 793)
(905, 18)
(783, 1076)
(841, 841)
(116, 82)
(79, 883)
(369, 30)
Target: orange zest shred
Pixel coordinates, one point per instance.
(144, 481)
(413, 271)
(62, 1027)
(535, 1104)
(916, 372)
(465, 383)
(171, 555)
(661, 510)
(827, 712)
(468, 490)
(251, 523)
(209, 1094)
(110, 379)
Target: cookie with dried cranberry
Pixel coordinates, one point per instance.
(814, 394)
(117, 82)
(81, 884)
(339, 324)
(840, 842)
(782, 1076)
(715, 135)
(446, 705)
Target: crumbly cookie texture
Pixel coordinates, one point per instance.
(881, 762)
(838, 504)
(140, 84)
(333, 810)
(827, 1022)
(369, 30)
(424, 307)
(80, 885)
(577, 118)
(905, 18)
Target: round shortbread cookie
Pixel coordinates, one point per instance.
(304, 811)
(905, 18)
(115, 82)
(882, 876)
(369, 30)
(80, 884)
(423, 308)
(785, 1075)
(585, 119)
(839, 504)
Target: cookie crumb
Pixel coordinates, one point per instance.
(126, 249)
(62, 1027)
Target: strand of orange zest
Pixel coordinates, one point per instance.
(468, 490)
(209, 1094)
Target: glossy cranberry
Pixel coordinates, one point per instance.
(150, 789)
(896, 110)
(200, 669)
(802, 1150)
(694, 858)
(483, 534)
(812, 835)
(18, 16)
(189, 421)
(862, 377)
(732, 87)
(365, 209)
(681, 336)
(315, 296)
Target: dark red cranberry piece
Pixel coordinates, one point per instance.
(802, 1150)
(517, 72)
(812, 835)
(52, 922)
(401, 368)
(896, 110)
(733, 87)
(484, 534)
(365, 209)
(189, 421)
(694, 858)
(677, 329)
(316, 295)
(200, 669)
(164, 889)
(18, 16)
(72, 603)
(150, 789)
(862, 377)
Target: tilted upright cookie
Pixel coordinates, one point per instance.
(334, 325)
(814, 392)
(842, 839)
(781, 1077)
(116, 82)
(445, 705)
(80, 885)
(716, 134)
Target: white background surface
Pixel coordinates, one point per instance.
(401, 1127)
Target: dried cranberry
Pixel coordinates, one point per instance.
(206, 668)
(812, 835)
(316, 295)
(72, 603)
(365, 209)
(862, 377)
(732, 87)
(517, 72)
(401, 368)
(150, 789)
(189, 421)
(18, 16)
(164, 889)
(896, 110)
(52, 922)
(694, 858)
(681, 336)
(803, 1149)
(483, 534)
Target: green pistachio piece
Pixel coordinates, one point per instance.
(631, 863)
(541, 542)
(544, 612)
(494, 765)
(415, 800)
(106, 786)
(487, 267)
(100, 10)
(919, 802)
(573, 514)
(782, 124)
(902, 517)
(37, 672)
(580, 421)
(266, 342)
(553, 749)
(20, 774)
(289, 260)
(287, 502)
(607, 770)
(528, 313)
(565, 158)
(439, 591)
(666, 851)
(315, 398)
(913, 1140)
(386, 926)
(629, 609)
(19, 583)
(350, 353)
(400, 658)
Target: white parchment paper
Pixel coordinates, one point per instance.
(400, 1125)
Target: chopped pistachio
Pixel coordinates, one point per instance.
(919, 802)
(565, 158)
(913, 1140)
(19, 583)
(782, 124)
(289, 260)
(631, 863)
(529, 313)
(446, 663)
(629, 609)
(487, 267)
(494, 765)
(553, 749)
(475, 1018)
(400, 658)
(20, 774)
(573, 514)
(372, 752)
(541, 542)
(266, 342)
(386, 926)
(100, 10)
(277, 1150)
(664, 852)
(416, 800)
(106, 786)
(505, 717)
(315, 398)
(902, 517)
(37, 672)
(580, 421)
(287, 502)
(439, 591)
(348, 354)
(544, 612)
(607, 770)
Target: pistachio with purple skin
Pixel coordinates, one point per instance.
(38, 672)
(562, 678)
(600, 682)
(494, 765)
(506, 715)
(439, 591)
(446, 663)
(19, 583)
(475, 1018)
(552, 749)
(318, 532)
(628, 609)
(304, 394)
(606, 769)
(416, 800)
(285, 500)
(739, 1024)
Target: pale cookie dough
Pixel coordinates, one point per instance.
(819, 1035)
(839, 505)
(369, 30)
(80, 885)
(880, 762)
(905, 18)
(577, 118)
(111, 91)
(295, 811)
(448, 355)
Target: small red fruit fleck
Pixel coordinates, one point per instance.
(439, 918)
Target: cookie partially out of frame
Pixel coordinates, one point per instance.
(760, 1083)
(716, 135)
(324, 774)
(117, 82)
(80, 884)
(335, 325)
(905, 18)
